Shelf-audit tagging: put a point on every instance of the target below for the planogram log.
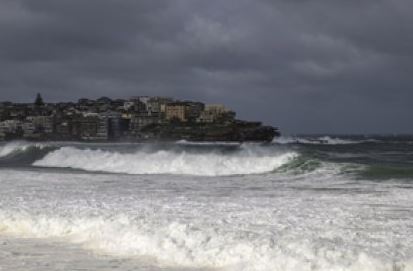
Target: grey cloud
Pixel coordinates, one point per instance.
(304, 65)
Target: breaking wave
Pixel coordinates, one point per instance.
(190, 246)
(207, 143)
(18, 147)
(248, 161)
(324, 140)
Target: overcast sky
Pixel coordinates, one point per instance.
(307, 66)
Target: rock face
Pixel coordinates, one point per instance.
(238, 131)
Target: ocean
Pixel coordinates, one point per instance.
(299, 203)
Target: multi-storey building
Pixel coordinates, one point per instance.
(177, 111)
(42, 124)
(215, 113)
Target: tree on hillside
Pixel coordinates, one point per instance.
(39, 100)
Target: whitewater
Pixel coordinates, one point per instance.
(300, 203)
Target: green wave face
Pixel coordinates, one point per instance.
(387, 172)
(300, 165)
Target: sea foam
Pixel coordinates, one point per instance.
(186, 245)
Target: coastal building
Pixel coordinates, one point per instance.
(194, 110)
(216, 109)
(128, 105)
(41, 124)
(85, 104)
(142, 99)
(139, 118)
(10, 126)
(118, 104)
(3, 113)
(18, 112)
(2, 134)
(138, 122)
(139, 104)
(29, 130)
(183, 111)
(115, 125)
(206, 117)
(90, 127)
(63, 129)
(11, 129)
(216, 113)
(156, 105)
(176, 111)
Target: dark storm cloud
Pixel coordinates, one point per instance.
(305, 65)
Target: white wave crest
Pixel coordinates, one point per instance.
(324, 140)
(185, 245)
(337, 141)
(207, 143)
(166, 162)
(17, 146)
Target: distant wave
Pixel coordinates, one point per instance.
(207, 143)
(250, 161)
(324, 140)
(18, 146)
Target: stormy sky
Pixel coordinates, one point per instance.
(307, 66)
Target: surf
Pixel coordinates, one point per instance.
(14, 147)
(189, 246)
(177, 162)
(322, 140)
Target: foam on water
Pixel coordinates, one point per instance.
(313, 222)
(166, 162)
(187, 245)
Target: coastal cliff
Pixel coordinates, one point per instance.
(238, 131)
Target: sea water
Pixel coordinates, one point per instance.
(302, 203)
